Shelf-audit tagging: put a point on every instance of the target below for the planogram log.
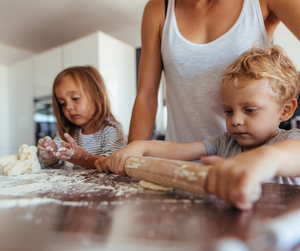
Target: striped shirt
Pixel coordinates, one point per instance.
(103, 142)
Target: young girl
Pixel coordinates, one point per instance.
(86, 127)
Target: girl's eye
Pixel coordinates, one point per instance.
(250, 110)
(229, 112)
(75, 99)
(62, 104)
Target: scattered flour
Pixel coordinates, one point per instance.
(24, 189)
(57, 182)
(77, 186)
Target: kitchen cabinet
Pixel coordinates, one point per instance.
(4, 110)
(286, 39)
(46, 66)
(20, 104)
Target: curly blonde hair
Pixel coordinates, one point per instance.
(272, 64)
(92, 83)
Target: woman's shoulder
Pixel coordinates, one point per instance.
(154, 16)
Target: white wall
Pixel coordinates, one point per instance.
(4, 111)
(46, 66)
(289, 42)
(117, 66)
(20, 103)
(83, 51)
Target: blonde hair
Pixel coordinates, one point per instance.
(93, 85)
(272, 64)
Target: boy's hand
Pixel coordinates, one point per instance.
(46, 147)
(71, 152)
(236, 179)
(116, 162)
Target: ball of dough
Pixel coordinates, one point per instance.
(153, 186)
(26, 162)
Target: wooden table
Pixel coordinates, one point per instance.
(73, 219)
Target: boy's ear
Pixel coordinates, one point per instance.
(288, 109)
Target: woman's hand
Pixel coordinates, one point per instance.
(116, 162)
(46, 147)
(237, 179)
(71, 152)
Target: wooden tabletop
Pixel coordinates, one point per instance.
(109, 212)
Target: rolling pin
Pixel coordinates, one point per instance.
(187, 176)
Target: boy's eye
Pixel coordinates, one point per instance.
(229, 112)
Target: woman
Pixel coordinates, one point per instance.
(193, 42)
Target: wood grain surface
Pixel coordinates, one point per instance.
(143, 220)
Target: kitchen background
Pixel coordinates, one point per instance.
(40, 38)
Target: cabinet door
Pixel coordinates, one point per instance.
(4, 110)
(21, 105)
(118, 68)
(83, 51)
(288, 42)
(46, 67)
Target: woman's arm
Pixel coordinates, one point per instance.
(145, 106)
(160, 149)
(286, 11)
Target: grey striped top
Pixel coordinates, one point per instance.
(103, 142)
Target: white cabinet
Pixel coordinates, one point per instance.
(46, 66)
(288, 42)
(116, 63)
(4, 110)
(21, 106)
(83, 51)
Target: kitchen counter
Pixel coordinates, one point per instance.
(72, 209)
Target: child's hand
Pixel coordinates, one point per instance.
(71, 152)
(117, 160)
(237, 178)
(46, 147)
(100, 164)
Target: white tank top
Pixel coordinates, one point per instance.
(193, 73)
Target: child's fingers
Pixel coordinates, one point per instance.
(64, 153)
(101, 165)
(65, 144)
(70, 140)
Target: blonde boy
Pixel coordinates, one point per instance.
(258, 91)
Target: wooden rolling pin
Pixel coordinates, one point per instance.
(187, 176)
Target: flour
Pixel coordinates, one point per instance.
(25, 162)
(55, 182)
(80, 187)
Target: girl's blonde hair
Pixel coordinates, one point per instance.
(272, 64)
(93, 85)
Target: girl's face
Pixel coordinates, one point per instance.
(76, 105)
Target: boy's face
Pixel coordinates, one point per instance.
(252, 114)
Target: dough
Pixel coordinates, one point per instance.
(153, 186)
(26, 162)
